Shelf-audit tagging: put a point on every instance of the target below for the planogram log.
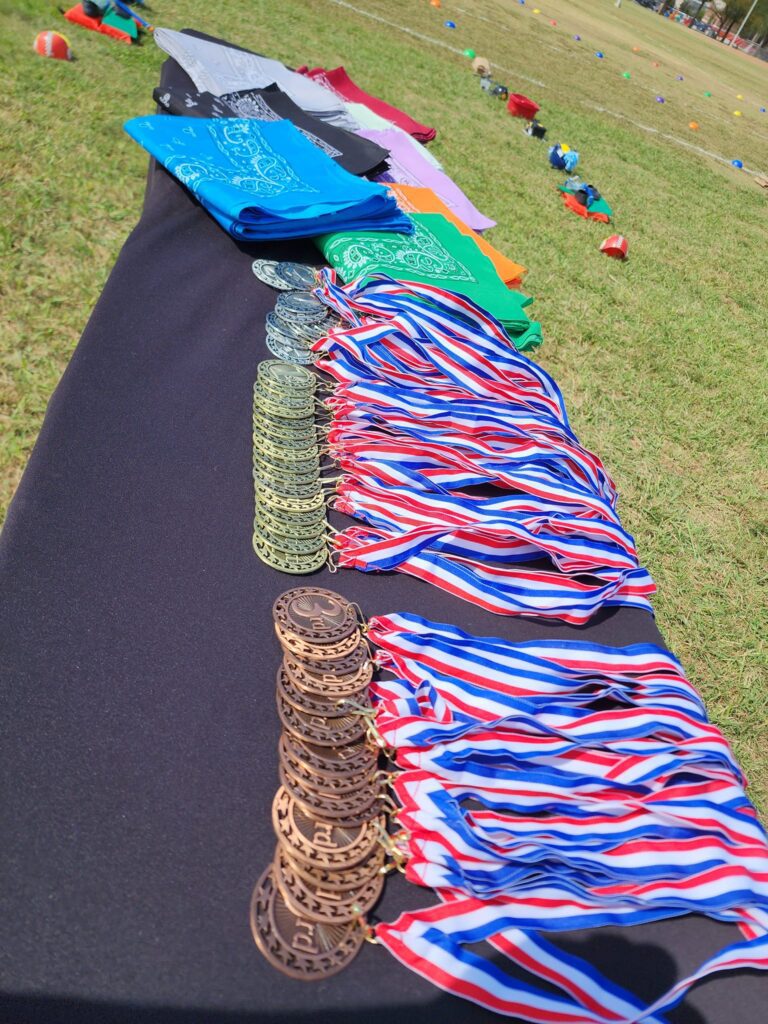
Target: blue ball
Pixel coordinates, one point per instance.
(599, 54)
(450, 24)
(577, 38)
(679, 78)
(737, 163)
(762, 110)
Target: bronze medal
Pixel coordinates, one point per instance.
(307, 781)
(301, 948)
(344, 808)
(345, 880)
(315, 615)
(344, 666)
(326, 732)
(351, 765)
(321, 844)
(327, 906)
(363, 788)
(309, 703)
(328, 684)
(312, 650)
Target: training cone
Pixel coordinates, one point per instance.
(53, 44)
(616, 247)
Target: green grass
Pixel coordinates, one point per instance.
(662, 360)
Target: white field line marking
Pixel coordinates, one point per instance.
(665, 135)
(426, 39)
(574, 55)
(533, 81)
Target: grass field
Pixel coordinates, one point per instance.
(662, 360)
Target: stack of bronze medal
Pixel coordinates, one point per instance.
(299, 318)
(307, 910)
(289, 527)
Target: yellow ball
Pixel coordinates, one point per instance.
(739, 96)
(536, 10)
(737, 113)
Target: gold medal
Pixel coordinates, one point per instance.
(285, 561)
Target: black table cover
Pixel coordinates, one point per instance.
(139, 749)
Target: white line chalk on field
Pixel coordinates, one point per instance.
(542, 85)
(427, 39)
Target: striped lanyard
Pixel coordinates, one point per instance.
(476, 551)
(555, 785)
(502, 589)
(574, 544)
(467, 342)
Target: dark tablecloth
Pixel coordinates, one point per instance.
(138, 665)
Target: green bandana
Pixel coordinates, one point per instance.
(437, 254)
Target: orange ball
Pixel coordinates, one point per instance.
(53, 44)
(434, 3)
(694, 126)
(635, 49)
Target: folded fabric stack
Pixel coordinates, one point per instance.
(439, 254)
(338, 81)
(411, 199)
(264, 180)
(222, 69)
(408, 166)
(352, 152)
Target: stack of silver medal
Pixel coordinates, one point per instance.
(298, 319)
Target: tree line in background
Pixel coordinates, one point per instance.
(726, 16)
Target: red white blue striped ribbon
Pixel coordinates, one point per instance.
(598, 794)
(422, 367)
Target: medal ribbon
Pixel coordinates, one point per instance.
(433, 399)
(555, 785)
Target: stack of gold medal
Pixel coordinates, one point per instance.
(307, 910)
(289, 527)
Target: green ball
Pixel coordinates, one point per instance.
(626, 74)
(469, 53)
(707, 93)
